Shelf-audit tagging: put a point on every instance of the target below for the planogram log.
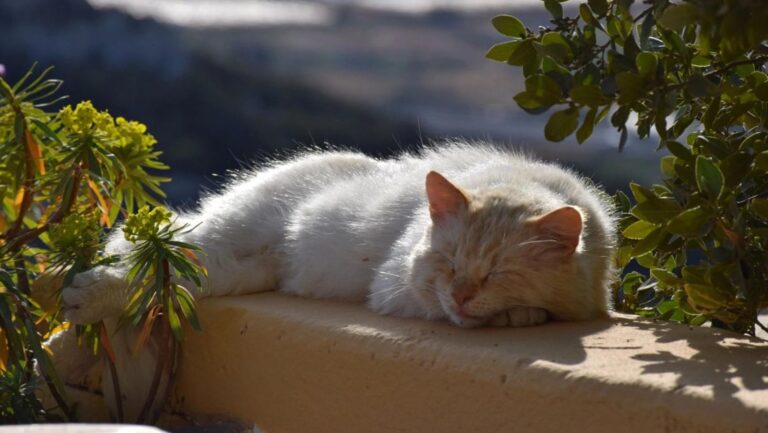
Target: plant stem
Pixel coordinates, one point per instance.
(68, 414)
(162, 355)
(171, 367)
(757, 322)
(726, 68)
(109, 353)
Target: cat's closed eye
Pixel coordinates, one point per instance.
(498, 275)
(450, 261)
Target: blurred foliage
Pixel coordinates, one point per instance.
(66, 177)
(197, 97)
(693, 71)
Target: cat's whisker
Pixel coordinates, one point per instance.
(536, 240)
(393, 295)
(391, 274)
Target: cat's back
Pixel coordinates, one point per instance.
(255, 206)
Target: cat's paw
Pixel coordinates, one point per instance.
(93, 295)
(516, 317)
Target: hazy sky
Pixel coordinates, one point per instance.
(261, 12)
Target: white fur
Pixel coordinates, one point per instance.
(341, 225)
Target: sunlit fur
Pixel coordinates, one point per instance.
(346, 226)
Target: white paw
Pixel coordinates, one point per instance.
(516, 317)
(93, 295)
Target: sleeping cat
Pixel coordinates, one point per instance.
(465, 232)
(473, 234)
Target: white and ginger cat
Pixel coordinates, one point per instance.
(470, 233)
(494, 238)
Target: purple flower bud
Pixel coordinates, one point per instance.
(2, 70)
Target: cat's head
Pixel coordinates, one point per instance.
(487, 252)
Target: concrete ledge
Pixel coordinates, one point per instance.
(293, 365)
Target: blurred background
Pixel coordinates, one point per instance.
(222, 83)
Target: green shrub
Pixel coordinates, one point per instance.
(66, 177)
(693, 71)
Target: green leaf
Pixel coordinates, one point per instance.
(646, 260)
(639, 230)
(561, 124)
(586, 14)
(173, 318)
(631, 281)
(706, 297)
(509, 26)
(586, 126)
(623, 256)
(667, 164)
(501, 52)
(543, 88)
(556, 46)
(641, 193)
(677, 16)
(554, 7)
(622, 201)
(631, 87)
(649, 242)
(761, 161)
(679, 150)
(524, 54)
(699, 320)
(530, 103)
(600, 7)
(709, 178)
(701, 87)
(700, 62)
(666, 307)
(631, 50)
(691, 223)
(761, 91)
(657, 210)
(589, 95)
(709, 115)
(666, 277)
(735, 167)
(759, 207)
(646, 64)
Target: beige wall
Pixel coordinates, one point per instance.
(294, 365)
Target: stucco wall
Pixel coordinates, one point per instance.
(293, 365)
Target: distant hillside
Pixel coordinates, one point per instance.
(372, 79)
(209, 113)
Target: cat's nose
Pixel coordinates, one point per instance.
(463, 294)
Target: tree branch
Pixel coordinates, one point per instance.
(726, 68)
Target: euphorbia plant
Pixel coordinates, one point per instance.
(66, 177)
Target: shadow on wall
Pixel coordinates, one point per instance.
(726, 361)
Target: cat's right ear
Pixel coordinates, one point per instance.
(444, 198)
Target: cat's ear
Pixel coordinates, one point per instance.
(563, 225)
(444, 198)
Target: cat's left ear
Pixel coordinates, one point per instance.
(563, 225)
(444, 198)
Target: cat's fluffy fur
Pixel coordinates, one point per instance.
(469, 233)
(495, 236)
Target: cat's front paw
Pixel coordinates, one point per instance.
(94, 295)
(516, 317)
